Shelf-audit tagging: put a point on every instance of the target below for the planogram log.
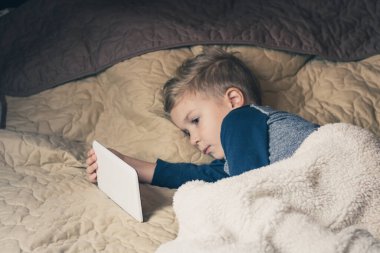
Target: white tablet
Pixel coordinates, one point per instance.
(119, 181)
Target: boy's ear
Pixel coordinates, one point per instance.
(235, 97)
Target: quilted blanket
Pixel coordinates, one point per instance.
(325, 198)
(318, 59)
(46, 203)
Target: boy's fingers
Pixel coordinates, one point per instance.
(92, 177)
(92, 168)
(91, 159)
(90, 152)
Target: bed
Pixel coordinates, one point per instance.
(76, 71)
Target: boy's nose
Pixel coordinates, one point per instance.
(194, 140)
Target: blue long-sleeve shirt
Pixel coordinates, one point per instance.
(250, 137)
(244, 134)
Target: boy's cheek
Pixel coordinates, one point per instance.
(218, 154)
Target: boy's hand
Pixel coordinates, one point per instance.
(145, 170)
(92, 166)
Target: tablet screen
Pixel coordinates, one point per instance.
(118, 180)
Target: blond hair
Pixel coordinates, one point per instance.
(212, 72)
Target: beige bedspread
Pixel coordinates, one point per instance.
(46, 204)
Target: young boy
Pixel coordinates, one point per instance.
(214, 99)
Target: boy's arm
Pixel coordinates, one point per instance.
(245, 140)
(173, 175)
(144, 169)
(161, 173)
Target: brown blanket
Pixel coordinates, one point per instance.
(47, 43)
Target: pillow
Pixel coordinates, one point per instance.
(122, 106)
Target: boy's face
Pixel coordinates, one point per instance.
(200, 117)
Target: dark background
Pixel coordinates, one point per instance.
(10, 3)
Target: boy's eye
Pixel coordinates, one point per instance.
(195, 121)
(186, 133)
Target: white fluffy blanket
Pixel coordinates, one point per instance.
(325, 198)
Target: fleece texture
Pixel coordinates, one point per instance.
(324, 198)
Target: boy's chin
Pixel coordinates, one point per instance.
(217, 157)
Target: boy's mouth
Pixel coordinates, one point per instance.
(206, 151)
